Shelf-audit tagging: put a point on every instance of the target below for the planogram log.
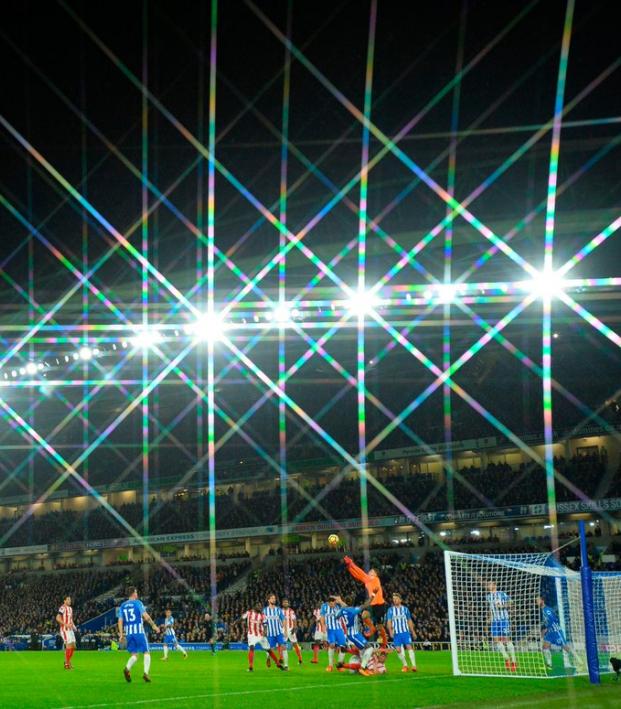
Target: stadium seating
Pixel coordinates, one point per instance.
(497, 485)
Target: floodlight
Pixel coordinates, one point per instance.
(85, 354)
(283, 314)
(442, 293)
(362, 302)
(210, 327)
(146, 338)
(31, 368)
(545, 284)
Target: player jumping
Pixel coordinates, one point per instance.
(273, 621)
(351, 617)
(553, 635)
(170, 637)
(336, 634)
(130, 616)
(401, 630)
(500, 625)
(373, 585)
(290, 628)
(64, 618)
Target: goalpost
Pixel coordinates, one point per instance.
(496, 618)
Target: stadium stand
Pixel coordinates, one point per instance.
(579, 478)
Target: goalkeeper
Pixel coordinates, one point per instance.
(373, 585)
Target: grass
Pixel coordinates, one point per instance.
(37, 679)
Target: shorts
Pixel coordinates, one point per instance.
(500, 629)
(358, 640)
(169, 640)
(292, 637)
(275, 640)
(260, 640)
(401, 639)
(555, 637)
(319, 636)
(377, 613)
(137, 643)
(68, 637)
(337, 637)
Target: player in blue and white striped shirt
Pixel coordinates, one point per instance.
(499, 604)
(553, 635)
(351, 617)
(401, 630)
(274, 628)
(335, 632)
(170, 637)
(130, 616)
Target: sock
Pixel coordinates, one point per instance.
(369, 624)
(280, 653)
(315, 652)
(71, 651)
(67, 656)
(501, 649)
(251, 657)
(570, 659)
(412, 658)
(272, 654)
(366, 656)
(401, 654)
(350, 666)
(213, 648)
(298, 652)
(165, 651)
(511, 648)
(146, 662)
(285, 658)
(547, 656)
(181, 649)
(341, 656)
(330, 656)
(131, 662)
(383, 636)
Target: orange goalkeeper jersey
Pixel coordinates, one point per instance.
(371, 583)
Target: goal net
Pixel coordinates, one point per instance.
(521, 615)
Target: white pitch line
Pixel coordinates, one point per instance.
(247, 692)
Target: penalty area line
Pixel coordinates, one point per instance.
(247, 692)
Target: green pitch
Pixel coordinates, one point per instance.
(37, 679)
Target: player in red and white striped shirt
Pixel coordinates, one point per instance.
(319, 636)
(291, 624)
(256, 636)
(64, 618)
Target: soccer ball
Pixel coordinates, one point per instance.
(333, 540)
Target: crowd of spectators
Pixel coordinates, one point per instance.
(497, 485)
(29, 602)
